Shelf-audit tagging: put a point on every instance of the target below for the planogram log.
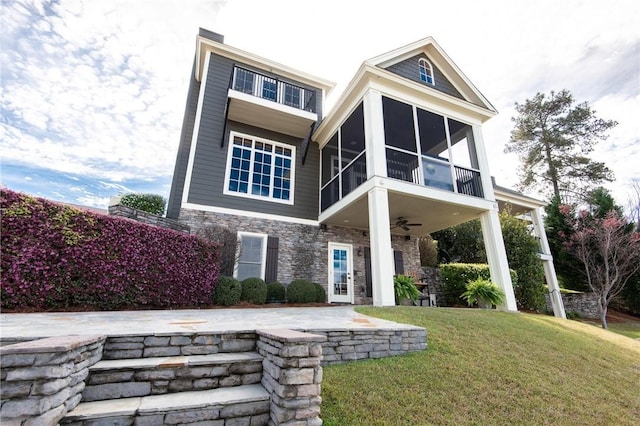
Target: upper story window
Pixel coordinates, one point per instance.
(426, 71)
(261, 169)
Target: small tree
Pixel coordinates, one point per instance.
(609, 252)
(553, 136)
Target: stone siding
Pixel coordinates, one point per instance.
(292, 375)
(585, 304)
(303, 249)
(43, 379)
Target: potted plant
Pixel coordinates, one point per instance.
(405, 290)
(484, 292)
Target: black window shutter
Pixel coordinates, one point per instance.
(399, 262)
(367, 272)
(271, 268)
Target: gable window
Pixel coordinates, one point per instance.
(258, 168)
(426, 71)
(253, 253)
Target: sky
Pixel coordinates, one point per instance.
(92, 92)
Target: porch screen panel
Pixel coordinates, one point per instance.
(330, 164)
(462, 145)
(354, 175)
(398, 124)
(352, 136)
(433, 137)
(329, 195)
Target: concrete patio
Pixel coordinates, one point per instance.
(122, 323)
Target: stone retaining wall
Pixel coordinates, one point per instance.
(351, 345)
(148, 218)
(292, 375)
(585, 304)
(172, 344)
(43, 379)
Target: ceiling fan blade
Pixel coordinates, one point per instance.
(413, 224)
(406, 228)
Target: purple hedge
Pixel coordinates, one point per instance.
(57, 257)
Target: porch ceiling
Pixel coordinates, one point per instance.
(433, 215)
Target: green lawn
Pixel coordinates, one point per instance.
(490, 368)
(631, 330)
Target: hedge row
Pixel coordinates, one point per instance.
(56, 257)
(254, 290)
(455, 277)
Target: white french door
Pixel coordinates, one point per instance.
(340, 273)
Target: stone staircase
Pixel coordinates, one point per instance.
(131, 386)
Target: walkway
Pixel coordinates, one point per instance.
(123, 323)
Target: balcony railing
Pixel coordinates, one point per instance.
(272, 89)
(437, 173)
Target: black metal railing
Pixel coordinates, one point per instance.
(468, 182)
(273, 89)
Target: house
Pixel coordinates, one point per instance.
(337, 198)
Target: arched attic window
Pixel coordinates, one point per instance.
(426, 71)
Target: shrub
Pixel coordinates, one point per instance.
(276, 292)
(150, 203)
(321, 295)
(254, 290)
(301, 291)
(55, 256)
(455, 277)
(405, 288)
(484, 292)
(428, 248)
(228, 292)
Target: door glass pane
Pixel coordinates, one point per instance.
(340, 270)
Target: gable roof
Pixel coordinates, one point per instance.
(432, 49)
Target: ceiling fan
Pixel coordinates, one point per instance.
(404, 224)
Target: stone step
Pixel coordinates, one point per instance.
(248, 404)
(124, 378)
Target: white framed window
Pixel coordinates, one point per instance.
(259, 168)
(426, 71)
(252, 257)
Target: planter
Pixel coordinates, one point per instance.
(483, 304)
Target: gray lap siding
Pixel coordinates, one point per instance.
(208, 171)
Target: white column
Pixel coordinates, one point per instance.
(497, 257)
(547, 263)
(381, 251)
(374, 134)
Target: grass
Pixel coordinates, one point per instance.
(628, 329)
(490, 368)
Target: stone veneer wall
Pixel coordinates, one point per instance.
(586, 304)
(292, 375)
(43, 379)
(148, 218)
(303, 249)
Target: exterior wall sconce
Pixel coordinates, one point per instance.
(359, 252)
(323, 227)
(407, 237)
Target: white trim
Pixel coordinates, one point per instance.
(245, 213)
(196, 132)
(349, 298)
(263, 261)
(270, 198)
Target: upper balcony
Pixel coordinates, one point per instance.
(270, 103)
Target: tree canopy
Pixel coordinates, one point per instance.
(553, 136)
